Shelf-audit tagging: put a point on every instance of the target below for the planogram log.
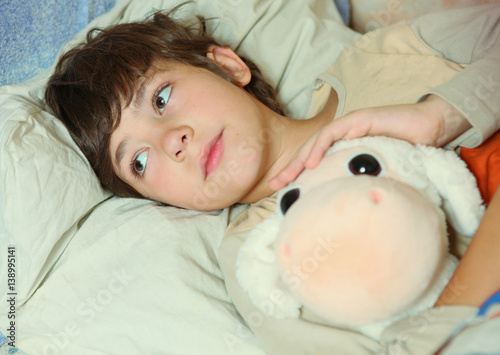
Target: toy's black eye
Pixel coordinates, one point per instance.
(288, 199)
(365, 164)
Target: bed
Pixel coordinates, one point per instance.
(95, 274)
(90, 273)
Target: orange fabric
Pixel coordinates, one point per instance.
(484, 163)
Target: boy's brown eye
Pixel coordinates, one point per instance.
(161, 98)
(160, 102)
(138, 166)
(139, 163)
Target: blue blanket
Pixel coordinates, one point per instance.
(33, 31)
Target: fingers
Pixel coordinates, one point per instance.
(324, 141)
(337, 130)
(288, 174)
(310, 155)
(400, 121)
(306, 158)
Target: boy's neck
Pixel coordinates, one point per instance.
(291, 135)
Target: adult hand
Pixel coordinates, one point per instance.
(432, 122)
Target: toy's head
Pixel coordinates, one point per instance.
(356, 242)
(363, 236)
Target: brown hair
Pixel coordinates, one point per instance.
(92, 80)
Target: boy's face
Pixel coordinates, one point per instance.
(191, 139)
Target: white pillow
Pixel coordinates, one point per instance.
(70, 241)
(47, 186)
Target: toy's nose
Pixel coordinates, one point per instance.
(286, 250)
(376, 196)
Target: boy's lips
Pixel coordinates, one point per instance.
(212, 154)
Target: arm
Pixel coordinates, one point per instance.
(477, 276)
(463, 111)
(471, 37)
(432, 122)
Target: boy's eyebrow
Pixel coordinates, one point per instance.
(120, 151)
(139, 96)
(137, 102)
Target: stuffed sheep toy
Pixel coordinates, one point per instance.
(361, 240)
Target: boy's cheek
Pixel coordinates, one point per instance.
(247, 152)
(233, 168)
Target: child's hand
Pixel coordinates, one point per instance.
(432, 122)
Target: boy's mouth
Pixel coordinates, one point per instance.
(212, 154)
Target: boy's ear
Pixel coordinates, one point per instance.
(231, 63)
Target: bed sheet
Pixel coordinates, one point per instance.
(96, 274)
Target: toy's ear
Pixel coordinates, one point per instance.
(457, 186)
(258, 274)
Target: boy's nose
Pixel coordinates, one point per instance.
(176, 141)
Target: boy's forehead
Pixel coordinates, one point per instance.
(142, 84)
(157, 67)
